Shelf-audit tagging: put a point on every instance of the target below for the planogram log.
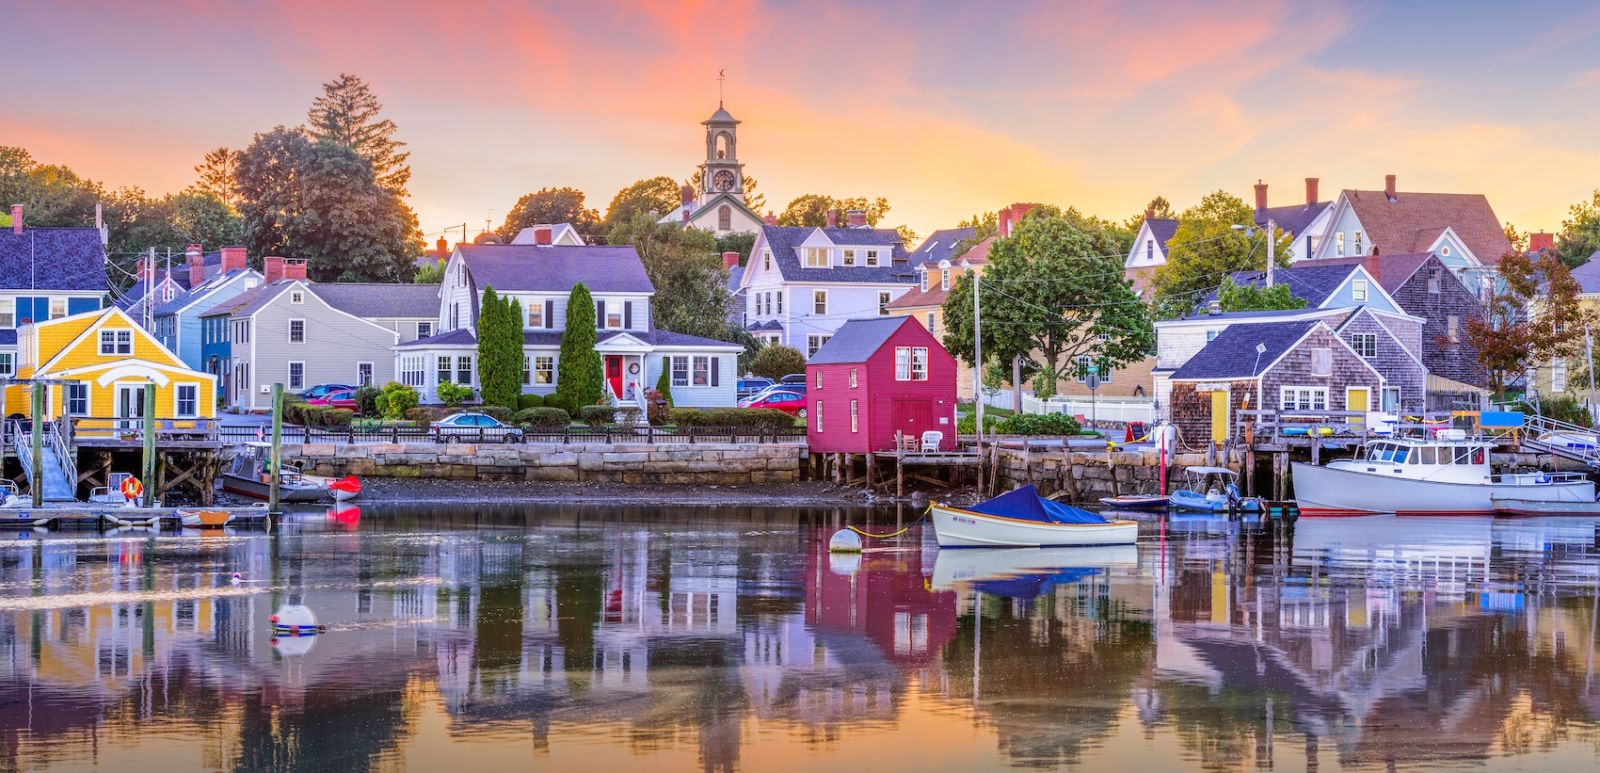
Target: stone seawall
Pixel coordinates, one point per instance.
(1090, 473)
(666, 464)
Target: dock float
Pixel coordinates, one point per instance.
(80, 514)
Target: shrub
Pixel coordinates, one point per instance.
(664, 385)
(530, 401)
(453, 395)
(687, 417)
(367, 401)
(968, 424)
(659, 407)
(336, 417)
(559, 401)
(1036, 424)
(498, 412)
(596, 416)
(425, 415)
(545, 418)
(1565, 408)
(396, 400)
(775, 362)
(731, 417)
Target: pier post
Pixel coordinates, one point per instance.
(148, 452)
(36, 438)
(1316, 450)
(277, 447)
(899, 477)
(1250, 471)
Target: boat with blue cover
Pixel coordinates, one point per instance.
(1021, 518)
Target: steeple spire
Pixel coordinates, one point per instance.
(722, 75)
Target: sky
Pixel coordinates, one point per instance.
(946, 109)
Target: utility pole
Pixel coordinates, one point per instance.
(1272, 260)
(147, 421)
(1588, 348)
(277, 449)
(149, 287)
(977, 360)
(1016, 385)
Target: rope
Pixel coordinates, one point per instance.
(913, 525)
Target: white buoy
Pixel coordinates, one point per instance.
(236, 578)
(845, 541)
(294, 620)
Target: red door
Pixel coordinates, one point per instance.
(614, 373)
(913, 417)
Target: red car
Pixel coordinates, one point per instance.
(791, 403)
(339, 398)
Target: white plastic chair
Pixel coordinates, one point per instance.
(931, 440)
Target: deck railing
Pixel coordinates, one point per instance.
(490, 435)
(132, 429)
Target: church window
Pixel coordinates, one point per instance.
(724, 218)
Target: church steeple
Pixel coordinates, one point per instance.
(721, 173)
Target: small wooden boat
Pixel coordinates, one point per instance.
(1136, 502)
(348, 487)
(203, 518)
(1504, 505)
(1021, 518)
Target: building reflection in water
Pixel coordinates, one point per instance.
(1370, 642)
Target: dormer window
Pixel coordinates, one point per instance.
(817, 257)
(848, 258)
(873, 256)
(924, 273)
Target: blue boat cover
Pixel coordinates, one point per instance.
(1025, 504)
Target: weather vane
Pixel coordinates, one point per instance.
(722, 75)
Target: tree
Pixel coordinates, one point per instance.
(578, 372)
(1533, 317)
(52, 195)
(1158, 206)
(1580, 232)
(753, 198)
(1206, 248)
(500, 356)
(777, 361)
(812, 210)
(983, 225)
(1249, 297)
(683, 263)
(216, 172)
(549, 206)
(1053, 293)
(347, 114)
(656, 194)
(735, 241)
(430, 274)
(1518, 239)
(319, 200)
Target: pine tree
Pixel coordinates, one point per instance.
(578, 374)
(216, 175)
(347, 114)
(500, 354)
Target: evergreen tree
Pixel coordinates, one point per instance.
(216, 175)
(347, 114)
(578, 374)
(500, 356)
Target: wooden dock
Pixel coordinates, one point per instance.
(80, 514)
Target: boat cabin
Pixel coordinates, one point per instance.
(1449, 458)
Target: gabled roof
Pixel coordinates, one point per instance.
(940, 244)
(858, 339)
(1588, 276)
(918, 298)
(250, 301)
(53, 259)
(1232, 354)
(560, 233)
(785, 241)
(735, 278)
(1391, 271)
(1412, 221)
(372, 300)
(556, 268)
(1162, 228)
(1293, 218)
(1311, 281)
(189, 296)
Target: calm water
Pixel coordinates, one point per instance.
(678, 639)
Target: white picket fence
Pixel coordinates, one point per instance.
(1107, 409)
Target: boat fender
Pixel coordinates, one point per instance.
(844, 541)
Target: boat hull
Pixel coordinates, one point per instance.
(1328, 491)
(204, 519)
(956, 528)
(1149, 503)
(258, 490)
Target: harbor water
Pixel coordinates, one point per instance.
(720, 638)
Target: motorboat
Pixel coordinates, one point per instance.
(250, 474)
(1140, 502)
(1021, 518)
(113, 495)
(1447, 474)
(346, 488)
(1212, 490)
(204, 518)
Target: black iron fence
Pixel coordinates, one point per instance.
(493, 435)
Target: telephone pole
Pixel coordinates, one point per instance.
(1272, 261)
(977, 360)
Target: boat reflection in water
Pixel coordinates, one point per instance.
(644, 638)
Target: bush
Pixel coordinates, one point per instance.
(687, 417)
(421, 415)
(453, 395)
(559, 401)
(968, 424)
(1036, 424)
(499, 413)
(367, 401)
(336, 417)
(731, 417)
(396, 400)
(775, 362)
(529, 401)
(543, 418)
(1564, 408)
(597, 416)
(664, 385)
(659, 407)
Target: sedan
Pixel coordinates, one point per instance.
(749, 386)
(339, 398)
(321, 390)
(467, 427)
(792, 403)
(799, 389)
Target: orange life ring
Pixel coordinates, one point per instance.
(132, 488)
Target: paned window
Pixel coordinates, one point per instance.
(1365, 344)
(819, 302)
(464, 370)
(188, 398)
(813, 343)
(816, 257)
(297, 331)
(544, 370)
(1303, 398)
(680, 371)
(116, 342)
(297, 376)
(702, 371)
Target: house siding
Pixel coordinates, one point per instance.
(1399, 367)
(881, 399)
(334, 344)
(1456, 360)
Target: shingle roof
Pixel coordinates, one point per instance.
(940, 244)
(374, 299)
(770, 324)
(556, 268)
(784, 241)
(1401, 226)
(1588, 276)
(918, 298)
(187, 296)
(1311, 281)
(52, 259)
(857, 340)
(1249, 316)
(1232, 354)
(250, 301)
(1391, 271)
(458, 337)
(1162, 228)
(465, 337)
(1293, 218)
(735, 275)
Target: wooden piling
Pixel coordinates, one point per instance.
(1250, 471)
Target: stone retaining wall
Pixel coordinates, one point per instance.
(1135, 472)
(670, 464)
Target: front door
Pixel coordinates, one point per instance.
(1358, 399)
(130, 405)
(912, 417)
(614, 373)
(1219, 416)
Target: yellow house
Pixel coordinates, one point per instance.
(114, 361)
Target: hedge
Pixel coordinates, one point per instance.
(731, 417)
(543, 418)
(530, 401)
(426, 415)
(1033, 424)
(499, 413)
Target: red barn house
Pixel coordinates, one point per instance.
(874, 378)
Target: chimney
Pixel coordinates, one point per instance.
(1311, 191)
(195, 259)
(1541, 240)
(771, 218)
(141, 268)
(441, 249)
(1261, 195)
(856, 218)
(833, 218)
(1388, 187)
(294, 268)
(730, 260)
(16, 219)
(686, 195)
(1018, 210)
(272, 268)
(1149, 215)
(233, 259)
(541, 234)
(1005, 223)
(1374, 265)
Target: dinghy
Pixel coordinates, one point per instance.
(1021, 518)
(348, 487)
(200, 518)
(1147, 502)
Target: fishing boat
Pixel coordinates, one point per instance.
(1447, 474)
(1021, 518)
(1140, 502)
(250, 475)
(204, 518)
(1212, 490)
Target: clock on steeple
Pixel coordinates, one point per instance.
(721, 173)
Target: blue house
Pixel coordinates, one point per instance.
(178, 321)
(46, 273)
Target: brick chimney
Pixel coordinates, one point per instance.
(1388, 187)
(1311, 191)
(16, 219)
(1005, 223)
(856, 218)
(1541, 240)
(730, 259)
(1149, 215)
(195, 259)
(272, 268)
(141, 269)
(1018, 211)
(771, 219)
(441, 249)
(1261, 195)
(233, 259)
(294, 268)
(833, 218)
(541, 236)
(1374, 265)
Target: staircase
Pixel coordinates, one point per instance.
(1575, 443)
(60, 467)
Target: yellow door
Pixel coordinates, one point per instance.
(1219, 416)
(1358, 399)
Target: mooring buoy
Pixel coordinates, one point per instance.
(844, 541)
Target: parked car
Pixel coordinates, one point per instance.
(321, 390)
(792, 403)
(749, 386)
(468, 426)
(798, 389)
(339, 398)
(793, 378)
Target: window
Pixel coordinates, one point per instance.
(873, 256)
(58, 307)
(297, 331)
(168, 292)
(535, 314)
(412, 372)
(1365, 344)
(779, 295)
(847, 258)
(443, 369)
(819, 378)
(188, 401)
(1211, 335)
(455, 316)
(544, 370)
(724, 218)
(924, 273)
(819, 302)
(766, 261)
(78, 399)
(853, 381)
(8, 364)
(680, 371)
(883, 303)
(463, 369)
(116, 342)
(1302, 398)
(933, 324)
(613, 315)
(1359, 250)
(1150, 250)
(855, 417)
(944, 280)
(1433, 282)
(1452, 327)
(297, 297)
(816, 257)
(1444, 252)
(297, 376)
(424, 329)
(702, 371)
(813, 343)
(363, 374)
(1558, 376)
(1339, 242)
(1358, 291)
(461, 275)
(8, 312)
(911, 363)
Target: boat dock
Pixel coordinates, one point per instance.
(69, 515)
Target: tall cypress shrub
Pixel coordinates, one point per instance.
(500, 350)
(578, 374)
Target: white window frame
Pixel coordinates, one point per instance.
(814, 344)
(289, 379)
(444, 368)
(177, 400)
(944, 280)
(544, 369)
(854, 382)
(1300, 399)
(1358, 291)
(58, 307)
(1558, 376)
(470, 370)
(847, 257)
(119, 337)
(924, 273)
(779, 296)
(884, 299)
(535, 314)
(302, 331)
(818, 414)
(618, 305)
(819, 303)
(414, 370)
(678, 366)
(372, 374)
(297, 297)
(8, 364)
(424, 329)
(819, 378)
(855, 416)
(818, 257)
(8, 312)
(873, 257)
(766, 260)
(919, 363)
(66, 393)
(1365, 344)
(700, 370)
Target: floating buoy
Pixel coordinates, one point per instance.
(845, 541)
(236, 579)
(294, 620)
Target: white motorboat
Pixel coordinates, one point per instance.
(1444, 475)
(1021, 518)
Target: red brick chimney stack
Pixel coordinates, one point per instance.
(1149, 215)
(441, 249)
(272, 268)
(1541, 240)
(833, 218)
(1005, 223)
(1018, 211)
(195, 260)
(233, 259)
(856, 218)
(294, 268)
(1311, 191)
(1261, 195)
(16, 219)
(730, 259)
(541, 235)
(1388, 187)
(771, 218)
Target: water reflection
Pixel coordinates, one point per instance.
(637, 637)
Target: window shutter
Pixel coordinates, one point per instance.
(549, 313)
(599, 313)
(627, 315)
(714, 370)
(1321, 362)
